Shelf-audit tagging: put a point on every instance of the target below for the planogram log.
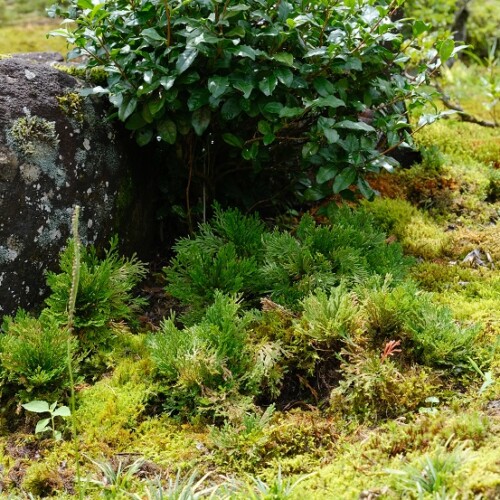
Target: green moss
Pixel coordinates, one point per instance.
(462, 143)
(96, 75)
(170, 444)
(29, 131)
(416, 231)
(72, 105)
(45, 479)
(110, 411)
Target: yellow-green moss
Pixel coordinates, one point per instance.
(96, 75)
(28, 131)
(110, 411)
(416, 231)
(72, 105)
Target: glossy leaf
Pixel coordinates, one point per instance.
(186, 59)
(233, 140)
(201, 120)
(167, 130)
(344, 179)
(268, 84)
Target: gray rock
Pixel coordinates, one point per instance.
(54, 154)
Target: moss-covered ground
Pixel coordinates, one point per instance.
(443, 443)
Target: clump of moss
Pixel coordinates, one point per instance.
(435, 277)
(72, 105)
(28, 131)
(96, 75)
(416, 232)
(43, 479)
(462, 142)
(110, 410)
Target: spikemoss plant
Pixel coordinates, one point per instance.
(33, 355)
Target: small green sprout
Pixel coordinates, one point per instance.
(48, 424)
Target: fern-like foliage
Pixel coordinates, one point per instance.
(349, 249)
(204, 363)
(33, 353)
(235, 254)
(224, 256)
(104, 289)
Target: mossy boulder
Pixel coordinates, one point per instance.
(57, 150)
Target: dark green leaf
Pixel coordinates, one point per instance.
(344, 179)
(264, 127)
(329, 101)
(245, 51)
(284, 58)
(419, 27)
(197, 99)
(144, 136)
(135, 121)
(167, 130)
(150, 34)
(218, 85)
(268, 84)
(323, 86)
(233, 140)
(244, 85)
(332, 136)
(186, 59)
(274, 108)
(325, 174)
(201, 120)
(230, 109)
(156, 105)
(284, 75)
(365, 189)
(446, 49)
(268, 139)
(355, 126)
(251, 152)
(127, 108)
(315, 193)
(291, 112)
(167, 82)
(309, 149)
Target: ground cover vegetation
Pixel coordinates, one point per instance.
(346, 351)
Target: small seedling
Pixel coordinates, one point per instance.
(432, 401)
(48, 424)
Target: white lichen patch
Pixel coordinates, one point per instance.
(86, 144)
(29, 172)
(7, 255)
(29, 74)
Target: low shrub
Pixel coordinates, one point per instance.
(212, 364)
(428, 332)
(223, 256)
